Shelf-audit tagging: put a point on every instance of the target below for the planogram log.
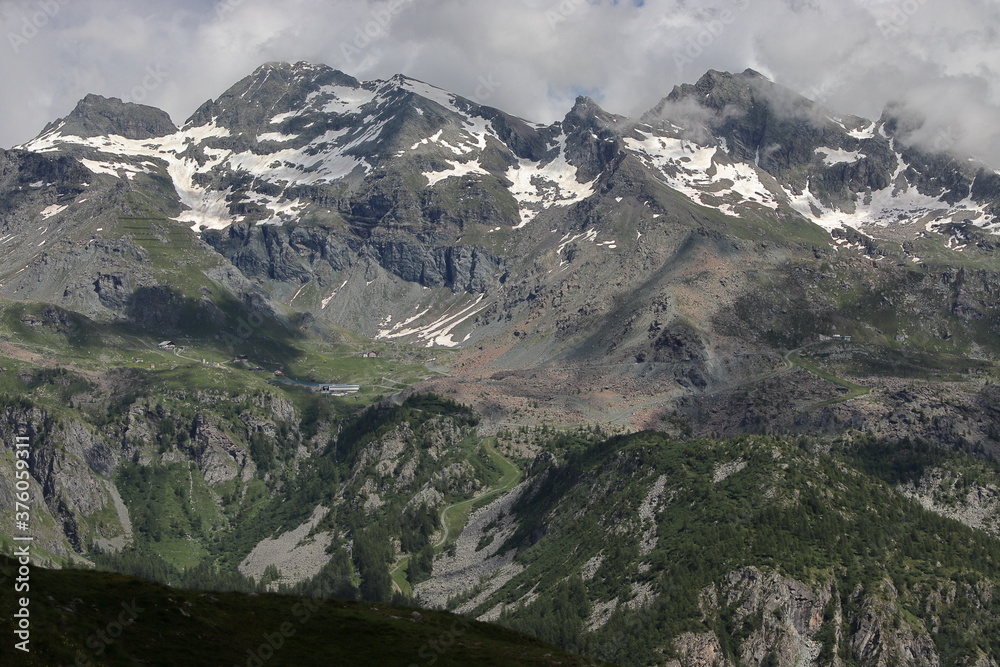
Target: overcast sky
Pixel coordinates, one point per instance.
(529, 57)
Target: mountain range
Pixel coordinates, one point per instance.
(740, 309)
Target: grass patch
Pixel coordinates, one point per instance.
(853, 390)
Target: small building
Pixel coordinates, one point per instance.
(166, 345)
(279, 374)
(241, 357)
(370, 355)
(339, 389)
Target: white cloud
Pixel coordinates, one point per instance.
(855, 55)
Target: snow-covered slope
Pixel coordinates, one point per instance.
(261, 151)
(317, 134)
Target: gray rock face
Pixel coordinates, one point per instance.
(163, 310)
(699, 650)
(759, 120)
(459, 268)
(791, 613)
(19, 170)
(283, 253)
(96, 116)
(113, 290)
(879, 638)
(299, 253)
(593, 138)
(788, 616)
(524, 140)
(68, 465)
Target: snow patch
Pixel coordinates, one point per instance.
(344, 100)
(458, 169)
(695, 170)
(833, 156)
(437, 332)
(276, 136)
(540, 185)
(898, 204)
(52, 210)
(427, 91)
(866, 133)
(112, 168)
(327, 300)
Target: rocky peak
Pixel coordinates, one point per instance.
(587, 114)
(272, 89)
(760, 121)
(525, 140)
(593, 137)
(720, 89)
(97, 116)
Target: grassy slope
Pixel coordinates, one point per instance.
(173, 627)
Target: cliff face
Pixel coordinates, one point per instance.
(960, 496)
(77, 504)
(301, 254)
(70, 465)
(785, 622)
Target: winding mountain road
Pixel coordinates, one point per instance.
(459, 512)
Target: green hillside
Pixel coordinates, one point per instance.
(91, 618)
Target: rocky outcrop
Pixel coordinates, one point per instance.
(459, 268)
(593, 140)
(220, 458)
(881, 638)
(977, 505)
(96, 116)
(789, 613)
(302, 253)
(699, 650)
(164, 310)
(69, 464)
(791, 623)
